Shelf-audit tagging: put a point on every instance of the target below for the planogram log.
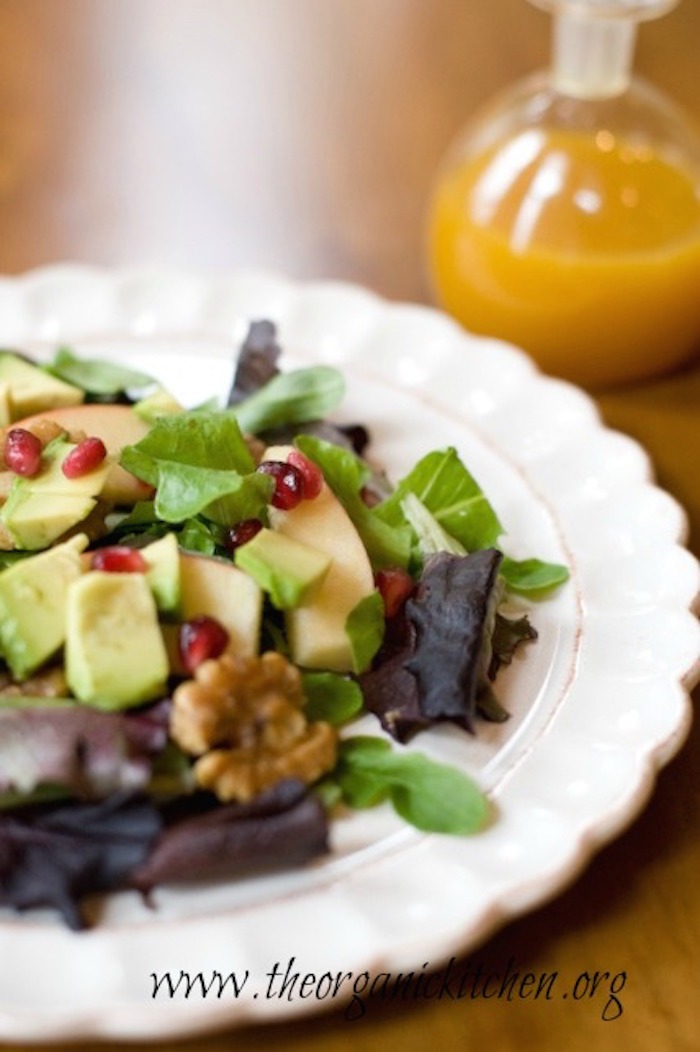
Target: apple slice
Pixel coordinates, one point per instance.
(220, 590)
(117, 426)
(316, 627)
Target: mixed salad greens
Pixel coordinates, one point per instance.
(196, 604)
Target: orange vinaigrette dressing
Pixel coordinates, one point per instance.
(567, 218)
(583, 248)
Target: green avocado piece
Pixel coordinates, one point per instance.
(39, 510)
(33, 605)
(160, 403)
(31, 390)
(284, 568)
(114, 653)
(163, 574)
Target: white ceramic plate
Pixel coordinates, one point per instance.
(598, 704)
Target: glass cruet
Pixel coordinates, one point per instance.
(566, 217)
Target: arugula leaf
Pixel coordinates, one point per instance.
(364, 628)
(431, 796)
(450, 493)
(94, 375)
(330, 697)
(532, 576)
(199, 461)
(387, 544)
(291, 398)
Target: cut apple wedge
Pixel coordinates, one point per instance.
(117, 426)
(316, 627)
(222, 591)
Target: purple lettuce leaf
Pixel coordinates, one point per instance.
(390, 690)
(439, 655)
(84, 751)
(52, 856)
(257, 361)
(282, 827)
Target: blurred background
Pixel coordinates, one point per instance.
(300, 135)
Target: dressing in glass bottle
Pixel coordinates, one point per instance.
(567, 218)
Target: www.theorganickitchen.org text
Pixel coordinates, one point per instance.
(358, 991)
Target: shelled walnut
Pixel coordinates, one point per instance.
(243, 718)
(48, 683)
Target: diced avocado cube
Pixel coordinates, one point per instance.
(160, 403)
(163, 574)
(114, 651)
(33, 596)
(284, 568)
(31, 390)
(35, 520)
(40, 509)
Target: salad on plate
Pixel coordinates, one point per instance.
(196, 605)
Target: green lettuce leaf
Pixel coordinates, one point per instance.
(445, 487)
(198, 536)
(432, 538)
(199, 462)
(95, 376)
(365, 629)
(532, 576)
(431, 796)
(330, 697)
(293, 397)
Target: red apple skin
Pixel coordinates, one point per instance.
(117, 426)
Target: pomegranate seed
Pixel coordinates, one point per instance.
(118, 558)
(200, 639)
(289, 483)
(86, 456)
(241, 533)
(395, 586)
(310, 472)
(23, 452)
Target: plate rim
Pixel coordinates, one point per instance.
(37, 295)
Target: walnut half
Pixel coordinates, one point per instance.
(244, 719)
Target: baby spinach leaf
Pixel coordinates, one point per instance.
(532, 576)
(431, 796)
(95, 376)
(330, 697)
(291, 398)
(365, 630)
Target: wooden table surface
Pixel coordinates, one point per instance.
(302, 135)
